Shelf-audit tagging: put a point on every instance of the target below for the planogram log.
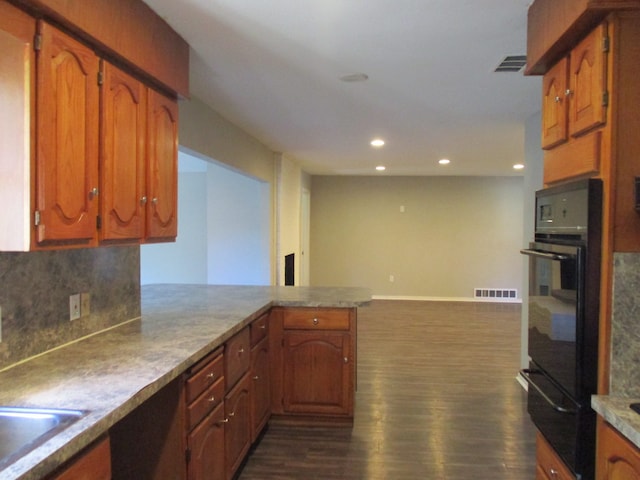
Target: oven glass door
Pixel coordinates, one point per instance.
(555, 273)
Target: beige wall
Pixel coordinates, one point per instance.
(456, 234)
(289, 181)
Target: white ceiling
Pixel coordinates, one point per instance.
(272, 67)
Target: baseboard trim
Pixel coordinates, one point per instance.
(523, 383)
(446, 299)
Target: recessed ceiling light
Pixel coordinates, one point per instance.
(444, 161)
(355, 77)
(518, 166)
(381, 168)
(377, 142)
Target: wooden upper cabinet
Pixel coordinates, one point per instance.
(162, 174)
(122, 159)
(67, 140)
(588, 83)
(554, 105)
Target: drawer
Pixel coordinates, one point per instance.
(316, 319)
(206, 402)
(259, 329)
(207, 372)
(237, 356)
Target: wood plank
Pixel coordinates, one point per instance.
(580, 157)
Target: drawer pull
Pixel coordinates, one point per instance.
(256, 377)
(316, 321)
(241, 350)
(232, 414)
(212, 400)
(553, 472)
(226, 420)
(211, 376)
(263, 326)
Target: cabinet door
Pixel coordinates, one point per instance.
(237, 433)
(318, 376)
(162, 165)
(260, 388)
(588, 83)
(122, 160)
(617, 458)
(554, 105)
(206, 444)
(93, 463)
(549, 466)
(67, 139)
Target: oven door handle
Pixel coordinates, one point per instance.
(525, 374)
(546, 255)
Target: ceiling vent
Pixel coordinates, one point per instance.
(512, 63)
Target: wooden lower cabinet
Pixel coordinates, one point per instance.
(206, 447)
(617, 458)
(313, 364)
(549, 466)
(93, 463)
(260, 388)
(237, 430)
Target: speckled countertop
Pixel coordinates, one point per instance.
(616, 411)
(110, 373)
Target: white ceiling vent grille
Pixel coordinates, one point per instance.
(512, 63)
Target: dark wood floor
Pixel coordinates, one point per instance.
(437, 399)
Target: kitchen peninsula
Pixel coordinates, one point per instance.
(114, 372)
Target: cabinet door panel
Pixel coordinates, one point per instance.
(206, 443)
(67, 135)
(588, 83)
(554, 105)
(122, 155)
(162, 183)
(617, 458)
(260, 388)
(317, 376)
(237, 431)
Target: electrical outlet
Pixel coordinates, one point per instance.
(85, 304)
(74, 306)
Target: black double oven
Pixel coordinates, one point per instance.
(563, 312)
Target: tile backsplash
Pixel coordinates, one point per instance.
(625, 326)
(35, 289)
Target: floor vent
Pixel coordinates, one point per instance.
(496, 293)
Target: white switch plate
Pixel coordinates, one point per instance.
(74, 306)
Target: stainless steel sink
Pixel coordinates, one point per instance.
(23, 429)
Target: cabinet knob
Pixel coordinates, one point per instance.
(143, 200)
(241, 350)
(315, 321)
(263, 326)
(554, 473)
(93, 193)
(232, 414)
(212, 400)
(211, 376)
(154, 200)
(557, 99)
(226, 420)
(568, 92)
(256, 377)
(346, 359)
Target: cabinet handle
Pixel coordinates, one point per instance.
(143, 200)
(212, 399)
(256, 377)
(93, 193)
(553, 472)
(154, 200)
(226, 420)
(316, 321)
(211, 376)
